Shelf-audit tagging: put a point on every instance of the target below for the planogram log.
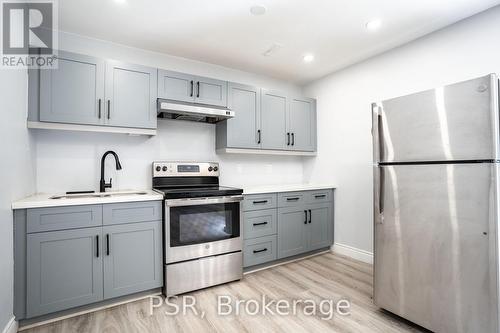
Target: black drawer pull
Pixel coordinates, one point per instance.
(292, 199)
(305, 212)
(97, 245)
(261, 223)
(320, 196)
(107, 244)
(260, 202)
(258, 251)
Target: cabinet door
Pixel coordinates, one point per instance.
(302, 124)
(64, 270)
(132, 258)
(130, 95)
(320, 226)
(273, 120)
(176, 86)
(74, 92)
(292, 231)
(243, 131)
(211, 92)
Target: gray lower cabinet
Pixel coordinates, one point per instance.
(130, 93)
(64, 270)
(74, 92)
(320, 226)
(190, 88)
(259, 250)
(132, 258)
(302, 124)
(274, 112)
(292, 231)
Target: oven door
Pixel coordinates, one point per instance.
(201, 227)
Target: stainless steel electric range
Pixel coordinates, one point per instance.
(202, 226)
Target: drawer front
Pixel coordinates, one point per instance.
(259, 223)
(259, 250)
(259, 201)
(319, 196)
(132, 212)
(61, 218)
(291, 199)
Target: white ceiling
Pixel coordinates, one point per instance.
(224, 32)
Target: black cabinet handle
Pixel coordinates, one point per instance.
(320, 196)
(305, 213)
(107, 244)
(97, 245)
(258, 136)
(109, 108)
(260, 202)
(287, 139)
(192, 88)
(293, 139)
(100, 108)
(260, 223)
(198, 89)
(292, 199)
(257, 251)
(310, 216)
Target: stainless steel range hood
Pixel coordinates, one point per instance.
(194, 112)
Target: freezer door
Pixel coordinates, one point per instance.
(435, 245)
(455, 122)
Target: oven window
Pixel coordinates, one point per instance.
(204, 223)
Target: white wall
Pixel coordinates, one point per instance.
(465, 50)
(70, 161)
(16, 174)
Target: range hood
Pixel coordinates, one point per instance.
(194, 112)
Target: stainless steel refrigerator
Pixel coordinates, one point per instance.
(436, 201)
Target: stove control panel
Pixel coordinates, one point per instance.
(185, 169)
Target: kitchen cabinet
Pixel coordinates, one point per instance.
(274, 125)
(132, 258)
(320, 226)
(192, 89)
(130, 92)
(242, 131)
(302, 124)
(74, 92)
(70, 256)
(64, 270)
(292, 231)
(93, 94)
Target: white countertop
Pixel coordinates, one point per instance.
(44, 199)
(284, 188)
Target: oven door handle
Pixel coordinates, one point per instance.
(202, 201)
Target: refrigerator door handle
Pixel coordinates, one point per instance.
(380, 141)
(381, 189)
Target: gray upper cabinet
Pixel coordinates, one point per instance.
(242, 131)
(273, 119)
(302, 124)
(74, 92)
(64, 270)
(132, 258)
(192, 89)
(175, 86)
(211, 92)
(130, 95)
(292, 231)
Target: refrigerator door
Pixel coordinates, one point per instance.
(436, 245)
(455, 122)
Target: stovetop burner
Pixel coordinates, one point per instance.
(199, 192)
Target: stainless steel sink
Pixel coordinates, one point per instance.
(98, 195)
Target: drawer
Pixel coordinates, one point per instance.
(319, 196)
(132, 212)
(259, 223)
(259, 201)
(65, 217)
(290, 199)
(259, 250)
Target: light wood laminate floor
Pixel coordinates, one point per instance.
(326, 276)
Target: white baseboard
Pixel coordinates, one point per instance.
(353, 252)
(11, 326)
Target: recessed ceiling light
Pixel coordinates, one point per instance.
(308, 58)
(374, 24)
(258, 10)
